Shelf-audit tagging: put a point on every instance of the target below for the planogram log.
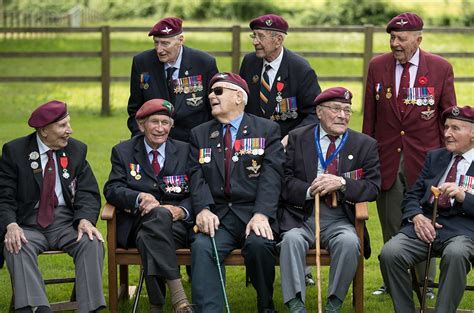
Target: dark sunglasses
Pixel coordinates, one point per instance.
(219, 90)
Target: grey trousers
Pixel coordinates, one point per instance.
(402, 252)
(389, 207)
(339, 237)
(88, 258)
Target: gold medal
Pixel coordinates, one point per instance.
(133, 173)
(138, 177)
(201, 160)
(145, 86)
(388, 94)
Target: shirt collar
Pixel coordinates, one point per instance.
(469, 155)
(41, 146)
(275, 64)
(176, 64)
(322, 134)
(161, 149)
(415, 59)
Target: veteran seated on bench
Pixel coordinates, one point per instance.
(149, 187)
(49, 199)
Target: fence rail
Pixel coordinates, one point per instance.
(235, 52)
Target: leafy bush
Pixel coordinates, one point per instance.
(351, 12)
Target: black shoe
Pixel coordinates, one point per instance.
(430, 294)
(309, 280)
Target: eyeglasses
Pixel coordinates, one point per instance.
(337, 109)
(259, 37)
(219, 90)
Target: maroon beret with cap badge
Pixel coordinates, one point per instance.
(405, 22)
(48, 113)
(230, 78)
(155, 106)
(339, 94)
(167, 27)
(269, 22)
(465, 113)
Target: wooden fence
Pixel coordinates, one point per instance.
(235, 52)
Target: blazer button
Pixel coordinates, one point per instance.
(222, 188)
(399, 149)
(154, 185)
(402, 133)
(230, 204)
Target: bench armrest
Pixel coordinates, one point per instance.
(108, 213)
(362, 211)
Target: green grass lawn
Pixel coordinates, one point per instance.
(19, 99)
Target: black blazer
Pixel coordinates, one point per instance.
(193, 63)
(359, 152)
(20, 184)
(299, 81)
(122, 189)
(457, 221)
(255, 179)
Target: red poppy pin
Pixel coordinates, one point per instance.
(423, 80)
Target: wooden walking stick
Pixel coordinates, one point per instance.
(318, 251)
(435, 191)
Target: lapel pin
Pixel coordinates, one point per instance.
(350, 156)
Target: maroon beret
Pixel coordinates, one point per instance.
(339, 94)
(405, 22)
(167, 27)
(155, 106)
(230, 78)
(269, 22)
(48, 113)
(465, 113)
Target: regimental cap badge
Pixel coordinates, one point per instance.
(402, 22)
(269, 22)
(166, 30)
(455, 111)
(168, 106)
(347, 95)
(222, 75)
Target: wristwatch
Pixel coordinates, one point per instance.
(343, 183)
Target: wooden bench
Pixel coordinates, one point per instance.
(121, 258)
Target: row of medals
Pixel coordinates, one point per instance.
(235, 157)
(136, 175)
(188, 89)
(420, 101)
(285, 115)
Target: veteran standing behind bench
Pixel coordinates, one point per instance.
(406, 92)
(173, 72)
(149, 187)
(49, 199)
(323, 159)
(236, 171)
(282, 84)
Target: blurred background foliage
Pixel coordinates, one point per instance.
(312, 12)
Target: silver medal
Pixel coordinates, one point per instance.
(34, 165)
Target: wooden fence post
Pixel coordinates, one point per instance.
(368, 53)
(235, 48)
(105, 70)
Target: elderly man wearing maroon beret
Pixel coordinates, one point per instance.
(174, 72)
(236, 170)
(282, 84)
(49, 199)
(325, 158)
(406, 92)
(452, 237)
(149, 187)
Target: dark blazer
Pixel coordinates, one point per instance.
(20, 185)
(301, 168)
(255, 179)
(122, 189)
(457, 221)
(193, 63)
(413, 135)
(299, 80)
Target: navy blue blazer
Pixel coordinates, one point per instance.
(187, 113)
(457, 221)
(299, 80)
(301, 167)
(123, 187)
(255, 179)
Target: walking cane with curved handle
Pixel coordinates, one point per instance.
(435, 192)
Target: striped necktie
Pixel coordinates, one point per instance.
(265, 88)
